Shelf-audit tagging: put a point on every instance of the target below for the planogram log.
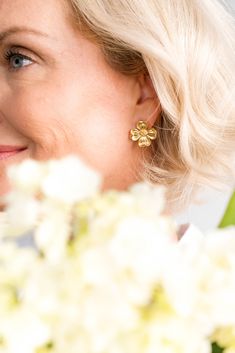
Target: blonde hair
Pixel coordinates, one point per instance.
(188, 49)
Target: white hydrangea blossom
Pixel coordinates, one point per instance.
(107, 273)
(22, 213)
(70, 181)
(27, 176)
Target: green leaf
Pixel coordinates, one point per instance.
(229, 215)
(216, 348)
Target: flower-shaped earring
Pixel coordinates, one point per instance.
(142, 134)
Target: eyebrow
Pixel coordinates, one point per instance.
(13, 30)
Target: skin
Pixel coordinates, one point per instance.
(59, 96)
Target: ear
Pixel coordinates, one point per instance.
(147, 106)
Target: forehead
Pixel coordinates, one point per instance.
(44, 15)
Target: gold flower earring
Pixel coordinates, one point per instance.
(142, 134)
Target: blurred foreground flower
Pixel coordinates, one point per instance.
(105, 273)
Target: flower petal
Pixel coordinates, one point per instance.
(152, 133)
(144, 141)
(141, 125)
(135, 134)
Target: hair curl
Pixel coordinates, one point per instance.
(187, 47)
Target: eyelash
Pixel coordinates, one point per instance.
(11, 53)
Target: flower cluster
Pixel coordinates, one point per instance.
(103, 272)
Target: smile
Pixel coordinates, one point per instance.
(10, 151)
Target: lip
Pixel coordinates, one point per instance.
(7, 151)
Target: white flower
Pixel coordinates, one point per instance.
(141, 246)
(149, 198)
(109, 275)
(219, 273)
(70, 180)
(175, 335)
(27, 176)
(21, 214)
(24, 332)
(52, 233)
(15, 266)
(212, 264)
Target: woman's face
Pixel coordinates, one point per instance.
(59, 96)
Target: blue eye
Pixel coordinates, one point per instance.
(17, 61)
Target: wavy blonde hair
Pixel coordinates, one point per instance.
(187, 47)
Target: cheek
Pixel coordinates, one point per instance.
(25, 111)
(92, 120)
(105, 145)
(103, 120)
(38, 117)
